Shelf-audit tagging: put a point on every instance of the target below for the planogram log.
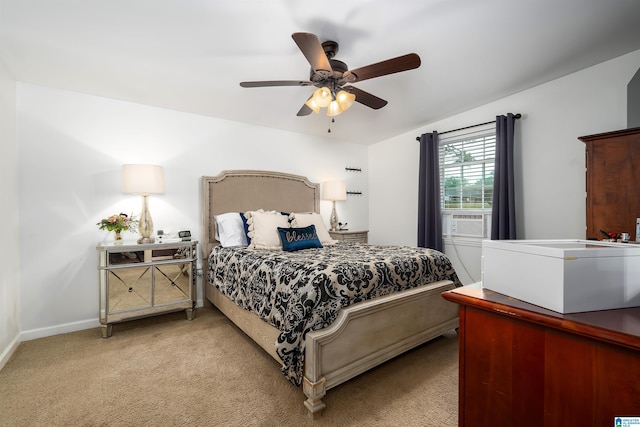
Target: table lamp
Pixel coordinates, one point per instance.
(334, 190)
(143, 180)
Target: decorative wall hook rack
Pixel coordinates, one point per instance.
(348, 169)
(354, 193)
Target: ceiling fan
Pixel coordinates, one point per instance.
(333, 78)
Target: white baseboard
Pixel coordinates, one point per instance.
(33, 334)
(59, 329)
(8, 352)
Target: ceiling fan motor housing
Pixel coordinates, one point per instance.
(332, 79)
(329, 78)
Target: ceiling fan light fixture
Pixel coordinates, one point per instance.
(345, 99)
(322, 97)
(312, 104)
(334, 109)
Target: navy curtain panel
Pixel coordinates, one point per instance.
(429, 213)
(503, 211)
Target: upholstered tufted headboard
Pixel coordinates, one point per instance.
(244, 190)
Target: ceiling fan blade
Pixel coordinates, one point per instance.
(268, 83)
(365, 98)
(312, 50)
(390, 66)
(304, 111)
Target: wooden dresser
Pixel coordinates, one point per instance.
(527, 366)
(613, 182)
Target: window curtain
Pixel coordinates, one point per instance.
(503, 211)
(429, 213)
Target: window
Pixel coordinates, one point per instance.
(466, 171)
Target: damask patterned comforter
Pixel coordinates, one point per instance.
(302, 291)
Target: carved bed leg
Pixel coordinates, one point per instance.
(314, 392)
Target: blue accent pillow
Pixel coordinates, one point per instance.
(294, 239)
(246, 227)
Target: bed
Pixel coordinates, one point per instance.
(360, 330)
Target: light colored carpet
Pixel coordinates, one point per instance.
(167, 371)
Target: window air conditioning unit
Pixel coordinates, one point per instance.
(468, 225)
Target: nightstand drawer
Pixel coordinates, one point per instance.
(359, 236)
(117, 257)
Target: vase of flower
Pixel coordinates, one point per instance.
(118, 223)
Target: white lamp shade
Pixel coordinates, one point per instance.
(142, 179)
(334, 190)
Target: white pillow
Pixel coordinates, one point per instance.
(263, 229)
(248, 214)
(306, 219)
(230, 229)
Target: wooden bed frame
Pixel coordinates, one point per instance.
(365, 334)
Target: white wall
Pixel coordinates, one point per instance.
(9, 261)
(71, 147)
(551, 177)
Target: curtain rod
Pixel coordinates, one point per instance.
(517, 116)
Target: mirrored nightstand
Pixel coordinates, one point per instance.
(139, 280)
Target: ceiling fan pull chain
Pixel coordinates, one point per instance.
(333, 120)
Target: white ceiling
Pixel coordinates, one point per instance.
(191, 55)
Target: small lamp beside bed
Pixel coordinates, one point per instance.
(334, 190)
(143, 180)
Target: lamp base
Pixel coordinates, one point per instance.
(145, 226)
(333, 219)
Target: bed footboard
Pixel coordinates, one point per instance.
(258, 330)
(372, 332)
